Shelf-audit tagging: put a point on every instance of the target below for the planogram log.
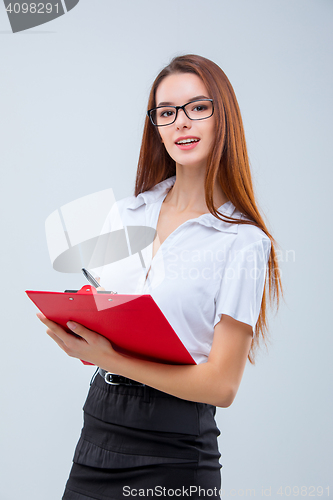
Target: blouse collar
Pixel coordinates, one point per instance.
(160, 191)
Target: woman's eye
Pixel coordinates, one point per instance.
(166, 113)
(200, 108)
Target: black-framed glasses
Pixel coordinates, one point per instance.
(194, 110)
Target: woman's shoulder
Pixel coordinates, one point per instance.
(116, 214)
(249, 234)
(124, 203)
(155, 193)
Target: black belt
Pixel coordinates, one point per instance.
(114, 379)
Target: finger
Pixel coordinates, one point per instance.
(76, 328)
(65, 337)
(83, 332)
(56, 339)
(50, 324)
(45, 320)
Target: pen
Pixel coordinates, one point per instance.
(90, 278)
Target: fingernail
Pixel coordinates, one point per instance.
(71, 325)
(40, 315)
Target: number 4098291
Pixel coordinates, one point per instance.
(32, 8)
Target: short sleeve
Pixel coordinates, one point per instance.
(242, 285)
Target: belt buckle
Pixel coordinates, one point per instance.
(108, 378)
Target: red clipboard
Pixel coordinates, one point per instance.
(134, 324)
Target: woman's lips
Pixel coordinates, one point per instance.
(189, 145)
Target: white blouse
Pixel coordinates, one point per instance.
(205, 268)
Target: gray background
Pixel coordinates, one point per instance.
(73, 99)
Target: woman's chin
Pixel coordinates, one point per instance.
(190, 163)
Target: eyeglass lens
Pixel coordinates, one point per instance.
(197, 110)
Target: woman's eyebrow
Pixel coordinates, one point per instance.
(196, 98)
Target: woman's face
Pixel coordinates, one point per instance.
(176, 90)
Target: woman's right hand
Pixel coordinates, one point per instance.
(99, 288)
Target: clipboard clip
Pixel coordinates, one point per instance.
(90, 290)
(87, 290)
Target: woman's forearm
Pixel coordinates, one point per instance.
(201, 383)
(214, 382)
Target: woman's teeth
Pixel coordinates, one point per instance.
(187, 141)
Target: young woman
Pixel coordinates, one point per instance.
(151, 431)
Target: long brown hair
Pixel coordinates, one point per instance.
(227, 164)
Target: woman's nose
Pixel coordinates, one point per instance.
(182, 120)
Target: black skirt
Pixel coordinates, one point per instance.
(137, 441)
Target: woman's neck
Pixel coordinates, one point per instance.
(188, 194)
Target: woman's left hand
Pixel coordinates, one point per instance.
(89, 346)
